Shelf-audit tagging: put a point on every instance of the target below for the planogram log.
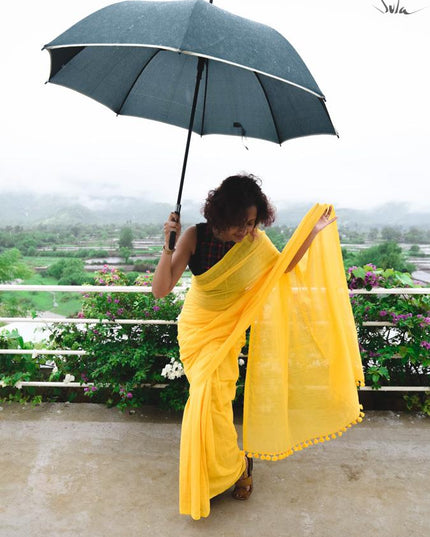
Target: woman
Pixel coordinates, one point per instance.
(240, 279)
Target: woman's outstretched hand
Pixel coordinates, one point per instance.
(325, 220)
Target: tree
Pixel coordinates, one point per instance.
(12, 266)
(69, 272)
(389, 233)
(385, 255)
(415, 250)
(373, 234)
(415, 235)
(126, 238)
(125, 253)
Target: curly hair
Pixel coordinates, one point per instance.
(226, 206)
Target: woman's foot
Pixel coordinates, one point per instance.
(243, 488)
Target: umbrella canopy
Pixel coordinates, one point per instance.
(140, 58)
(191, 64)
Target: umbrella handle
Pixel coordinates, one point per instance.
(172, 236)
(172, 240)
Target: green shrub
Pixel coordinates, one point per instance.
(123, 358)
(16, 368)
(399, 353)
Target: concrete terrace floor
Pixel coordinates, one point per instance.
(74, 470)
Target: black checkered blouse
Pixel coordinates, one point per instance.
(209, 250)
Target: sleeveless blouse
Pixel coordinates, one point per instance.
(209, 250)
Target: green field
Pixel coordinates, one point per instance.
(66, 304)
(41, 261)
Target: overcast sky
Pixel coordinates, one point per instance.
(371, 66)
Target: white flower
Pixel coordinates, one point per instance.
(241, 361)
(173, 370)
(69, 378)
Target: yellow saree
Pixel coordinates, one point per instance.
(303, 364)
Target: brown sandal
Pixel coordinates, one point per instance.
(243, 488)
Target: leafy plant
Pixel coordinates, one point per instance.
(396, 352)
(12, 266)
(122, 359)
(17, 368)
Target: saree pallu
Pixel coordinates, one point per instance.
(303, 363)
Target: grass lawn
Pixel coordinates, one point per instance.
(61, 303)
(41, 261)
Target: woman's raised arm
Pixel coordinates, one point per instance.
(324, 221)
(173, 262)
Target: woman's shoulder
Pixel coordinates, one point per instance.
(189, 238)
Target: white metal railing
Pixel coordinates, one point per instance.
(145, 289)
(83, 288)
(53, 320)
(393, 291)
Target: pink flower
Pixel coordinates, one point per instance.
(129, 395)
(80, 315)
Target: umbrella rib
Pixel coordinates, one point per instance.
(270, 107)
(204, 97)
(135, 80)
(193, 53)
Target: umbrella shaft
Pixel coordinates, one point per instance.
(200, 66)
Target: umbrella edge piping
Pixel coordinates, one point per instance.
(189, 53)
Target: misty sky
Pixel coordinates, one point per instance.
(371, 66)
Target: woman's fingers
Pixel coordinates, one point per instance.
(329, 210)
(172, 224)
(174, 217)
(325, 219)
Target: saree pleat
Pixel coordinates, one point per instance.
(303, 363)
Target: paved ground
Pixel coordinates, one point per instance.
(74, 470)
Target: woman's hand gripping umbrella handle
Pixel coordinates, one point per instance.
(172, 235)
(172, 229)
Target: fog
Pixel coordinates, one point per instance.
(371, 66)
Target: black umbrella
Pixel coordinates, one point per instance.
(189, 63)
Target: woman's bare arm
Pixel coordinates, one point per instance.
(172, 265)
(323, 222)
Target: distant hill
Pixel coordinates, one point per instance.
(31, 209)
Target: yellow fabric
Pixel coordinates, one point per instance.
(303, 364)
